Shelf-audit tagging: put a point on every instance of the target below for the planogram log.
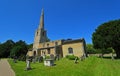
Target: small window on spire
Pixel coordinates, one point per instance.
(37, 33)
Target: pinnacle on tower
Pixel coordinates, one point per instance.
(41, 24)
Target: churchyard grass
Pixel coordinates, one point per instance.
(92, 66)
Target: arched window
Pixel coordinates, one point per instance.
(34, 53)
(70, 50)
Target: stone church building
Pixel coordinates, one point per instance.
(60, 48)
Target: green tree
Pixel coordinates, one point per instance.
(5, 48)
(30, 46)
(108, 35)
(90, 49)
(1, 51)
(16, 51)
(20, 50)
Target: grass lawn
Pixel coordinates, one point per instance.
(92, 66)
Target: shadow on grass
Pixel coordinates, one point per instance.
(54, 64)
(108, 57)
(28, 69)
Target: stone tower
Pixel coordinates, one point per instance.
(40, 34)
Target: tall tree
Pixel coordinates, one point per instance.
(108, 35)
(6, 47)
(30, 46)
(20, 50)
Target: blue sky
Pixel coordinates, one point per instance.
(63, 18)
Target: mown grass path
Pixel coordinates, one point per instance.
(92, 66)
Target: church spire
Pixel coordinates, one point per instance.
(41, 24)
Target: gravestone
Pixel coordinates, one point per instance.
(57, 57)
(44, 57)
(33, 60)
(30, 58)
(28, 67)
(101, 55)
(49, 62)
(76, 60)
(82, 58)
(112, 56)
(40, 59)
(52, 56)
(15, 59)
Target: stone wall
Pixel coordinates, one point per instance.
(50, 44)
(78, 48)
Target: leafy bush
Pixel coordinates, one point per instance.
(47, 57)
(71, 57)
(22, 58)
(91, 50)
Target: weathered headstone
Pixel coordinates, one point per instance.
(52, 57)
(15, 59)
(40, 59)
(112, 54)
(112, 57)
(30, 58)
(76, 60)
(44, 56)
(49, 62)
(33, 60)
(28, 67)
(57, 57)
(82, 58)
(101, 55)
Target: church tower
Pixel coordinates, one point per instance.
(40, 34)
